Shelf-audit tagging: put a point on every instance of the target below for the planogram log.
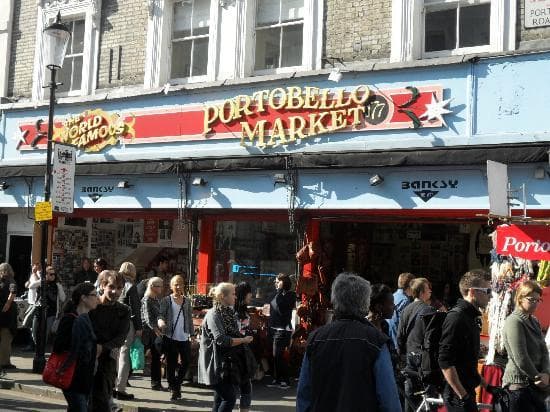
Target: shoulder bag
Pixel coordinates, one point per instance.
(60, 368)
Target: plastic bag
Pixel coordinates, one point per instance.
(137, 355)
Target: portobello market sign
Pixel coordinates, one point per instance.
(265, 119)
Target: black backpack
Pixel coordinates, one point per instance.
(432, 325)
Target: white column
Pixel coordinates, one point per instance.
(406, 30)
(6, 24)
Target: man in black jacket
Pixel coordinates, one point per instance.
(111, 322)
(459, 345)
(347, 365)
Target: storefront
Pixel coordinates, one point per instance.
(386, 169)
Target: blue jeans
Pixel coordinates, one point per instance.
(225, 397)
(76, 402)
(246, 394)
(526, 400)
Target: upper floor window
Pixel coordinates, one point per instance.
(190, 38)
(431, 28)
(79, 71)
(456, 25)
(70, 74)
(279, 33)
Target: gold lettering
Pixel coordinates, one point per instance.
(315, 125)
(244, 109)
(356, 117)
(221, 111)
(82, 127)
(210, 116)
(324, 100)
(295, 131)
(355, 94)
(295, 99)
(259, 130)
(103, 131)
(338, 120)
(277, 132)
(259, 98)
(280, 93)
(310, 100)
(97, 121)
(92, 135)
(73, 132)
(340, 100)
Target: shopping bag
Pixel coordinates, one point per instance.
(137, 355)
(59, 370)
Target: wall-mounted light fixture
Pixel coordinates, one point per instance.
(540, 173)
(376, 180)
(335, 75)
(124, 184)
(4, 185)
(279, 178)
(199, 181)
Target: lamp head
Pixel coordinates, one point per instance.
(199, 181)
(55, 40)
(123, 184)
(376, 180)
(4, 186)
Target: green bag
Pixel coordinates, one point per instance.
(137, 355)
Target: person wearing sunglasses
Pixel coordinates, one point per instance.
(528, 368)
(460, 343)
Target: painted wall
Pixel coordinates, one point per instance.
(403, 188)
(494, 101)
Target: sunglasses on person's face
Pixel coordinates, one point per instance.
(532, 299)
(487, 291)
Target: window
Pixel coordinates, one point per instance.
(79, 72)
(457, 25)
(71, 72)
(279, 33)
(431, 28)
(190, 38)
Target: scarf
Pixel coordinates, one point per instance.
(228, 319)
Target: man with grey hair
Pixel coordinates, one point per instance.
(347, 365)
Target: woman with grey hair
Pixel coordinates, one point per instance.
(8, 314)
(347, 363)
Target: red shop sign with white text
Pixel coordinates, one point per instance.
(527, 242)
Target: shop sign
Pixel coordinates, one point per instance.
(63, 171)
(93, 130)
(424, 189)
(527, 242)
(537, 13)
(266, 118)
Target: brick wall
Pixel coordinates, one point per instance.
(22, 48)
(358, 29)
(123, 39)
(530, 34)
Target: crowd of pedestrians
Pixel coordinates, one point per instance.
(373, 352)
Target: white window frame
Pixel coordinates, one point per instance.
(89, 11)
(408, 31)
(312, 40)
(159, 44)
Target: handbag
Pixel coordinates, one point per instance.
(137, 355)
(29, 316)
(59, 370)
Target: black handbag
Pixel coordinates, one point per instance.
(230, 371)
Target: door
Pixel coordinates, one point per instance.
(20, 259)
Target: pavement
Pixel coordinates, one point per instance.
(194, 397)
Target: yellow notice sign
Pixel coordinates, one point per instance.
(43, 211)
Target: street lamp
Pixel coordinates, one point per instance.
(55, 40)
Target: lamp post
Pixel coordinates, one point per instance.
(55, 40)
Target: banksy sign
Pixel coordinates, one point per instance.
(96, 192)
(537, 13)
(426, 189)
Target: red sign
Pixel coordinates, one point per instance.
(150, 231)
(527, 242)
(266, 118)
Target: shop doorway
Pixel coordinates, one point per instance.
(20, 255)
(381, 251)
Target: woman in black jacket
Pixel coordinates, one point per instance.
(75, 334)
(280, 328)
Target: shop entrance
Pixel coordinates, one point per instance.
(380, 251)
(20, 259)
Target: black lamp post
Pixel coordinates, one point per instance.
(55, 40)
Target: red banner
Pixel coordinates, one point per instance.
(528, 242)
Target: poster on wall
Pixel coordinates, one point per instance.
(150, 230)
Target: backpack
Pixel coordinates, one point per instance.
(432, 325)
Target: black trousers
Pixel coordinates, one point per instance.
(526, 400)
(175, 371)
(104, 382)
(281, 341)
(155, 365)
